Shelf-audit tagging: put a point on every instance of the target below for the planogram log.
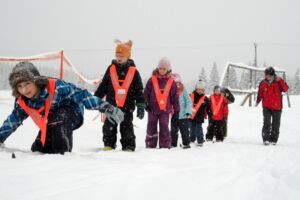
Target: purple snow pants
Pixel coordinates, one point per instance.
(152, 132)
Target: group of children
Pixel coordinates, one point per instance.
(57, 107)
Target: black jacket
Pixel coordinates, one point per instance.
(204, 108)
(229, 96)
(135, 93)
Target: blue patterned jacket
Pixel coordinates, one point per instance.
(66, 94)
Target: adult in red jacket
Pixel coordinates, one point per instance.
(219, 116)
(270, 93)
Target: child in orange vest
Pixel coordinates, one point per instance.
(122, 85)
(201, 108)
(219, 108)
(55, 106)
(160, 97)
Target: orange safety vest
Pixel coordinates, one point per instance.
(162, 97)
(39, 120)
(216, 108)
(196, 106)
(121, 91)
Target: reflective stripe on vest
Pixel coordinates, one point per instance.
(162, 97)
(216, 108)
(197, 106)
(121, 91)
(41, 121)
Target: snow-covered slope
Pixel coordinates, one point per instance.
(239, 168)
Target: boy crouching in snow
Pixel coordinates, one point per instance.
(55, 106)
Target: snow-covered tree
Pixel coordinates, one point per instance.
(202, 77)
(245, 80)
(213, 78)
(296, 83)
(232, 78)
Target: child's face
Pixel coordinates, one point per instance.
(121, 59)
(27, 89)
(268, 77)
(217, 92)
(162, 71)
(199, 90)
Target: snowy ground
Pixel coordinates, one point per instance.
(239, 168)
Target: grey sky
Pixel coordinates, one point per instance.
(192, 33)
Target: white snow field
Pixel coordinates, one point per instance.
(239, 168)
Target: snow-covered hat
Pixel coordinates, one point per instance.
(199, 85)
(176, 77)
(165, 62)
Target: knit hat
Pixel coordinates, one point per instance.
(22, 72)
(217, 87)
(270, 71)
(199, 85)
(176, 77)
(123, 49)
(165, 62)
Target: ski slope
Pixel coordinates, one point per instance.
(239, 168)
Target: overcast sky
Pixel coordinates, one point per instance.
(192, 33)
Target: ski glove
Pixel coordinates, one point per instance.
(113, 114)
(1, 145)
(140, 112)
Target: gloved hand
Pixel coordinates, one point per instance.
(2, 145)
(148, 107)
(175, 117)
(113, 114)
(140, 112)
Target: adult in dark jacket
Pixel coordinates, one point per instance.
(270, 93)
(199, 114)
(122, 82)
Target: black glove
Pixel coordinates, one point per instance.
(175, 117)
(113, 114)
(140, 112)
(148, 107)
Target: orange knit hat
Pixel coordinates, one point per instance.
(123, 48)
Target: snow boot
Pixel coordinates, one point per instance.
(186, 146)
(199, 144)
(107, 148)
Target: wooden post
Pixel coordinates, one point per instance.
(245, 99)
(251, 84)
(287, 93)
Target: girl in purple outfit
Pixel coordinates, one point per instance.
(160, 96)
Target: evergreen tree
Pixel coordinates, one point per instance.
(245, 80)
(231, 81)
(296, 83)
(213, 78)
(203, 78)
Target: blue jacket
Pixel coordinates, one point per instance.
(185, 103)
(66, 94)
